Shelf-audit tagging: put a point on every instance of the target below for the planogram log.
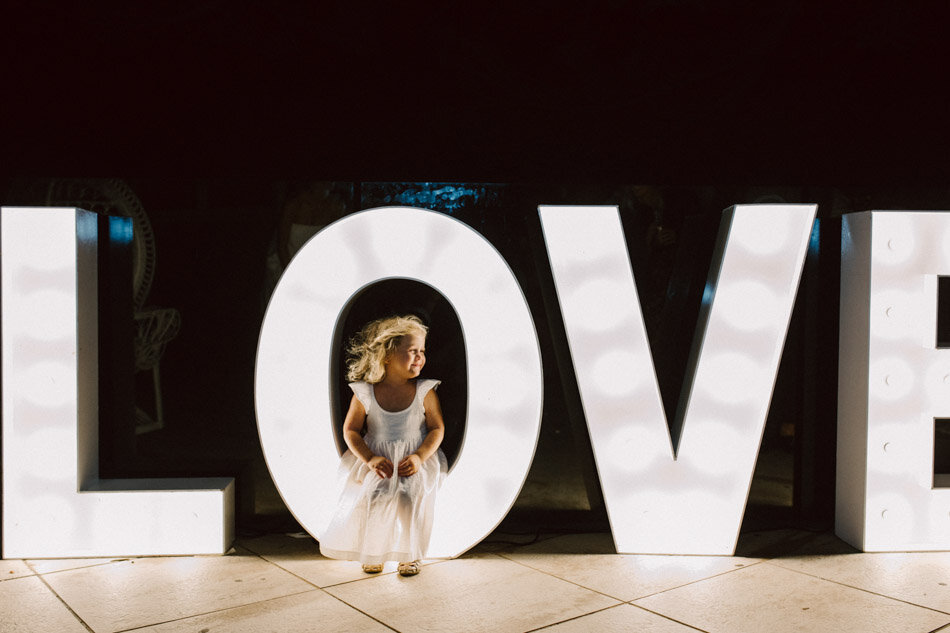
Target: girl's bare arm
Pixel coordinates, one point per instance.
(352, 435)
(435, 425)
(436, 431)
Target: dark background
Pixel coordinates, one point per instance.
(214, 111)
(663, 91)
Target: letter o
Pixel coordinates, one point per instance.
(505, 391)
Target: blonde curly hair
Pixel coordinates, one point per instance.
(368, 349)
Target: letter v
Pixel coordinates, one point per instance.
(686, 493)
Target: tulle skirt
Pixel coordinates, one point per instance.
(379, 520)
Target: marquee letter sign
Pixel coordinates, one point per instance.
(892, 382)
(680, 492)
(295, 419)
(54, 504)
(690, 498)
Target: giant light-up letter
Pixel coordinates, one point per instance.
(54, 504)
(505, 388)
(661, 498)
(892, 382)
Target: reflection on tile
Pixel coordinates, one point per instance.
(13, 568)
(921, 578)
(766, 597)
(561, 583)
(302, 558)
(621, 619)
(28, 605)
(627, 576)
(482, 593)
(143, 591)
(310, 612)
(49, 565)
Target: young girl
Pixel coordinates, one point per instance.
(391, 472)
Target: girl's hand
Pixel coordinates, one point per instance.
(381, 466)
(410, 465)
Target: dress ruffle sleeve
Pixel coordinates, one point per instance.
(363, 391)
(426, 385)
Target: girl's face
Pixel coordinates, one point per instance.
(409, 357)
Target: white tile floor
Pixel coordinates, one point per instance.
(780, 581)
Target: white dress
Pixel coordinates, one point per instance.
(376, 519)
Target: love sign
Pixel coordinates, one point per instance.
(679, 493)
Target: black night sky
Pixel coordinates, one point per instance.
(671, 91)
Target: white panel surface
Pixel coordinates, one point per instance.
(688, 499)
(292, 386)
(54, 504)
(893, 381)
(853, 337)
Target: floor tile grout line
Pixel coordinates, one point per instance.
(2, 580)
(132, 559)
(32, 573)
(576, 617)
(693, 582)
(873, 593)
(313, 584)
(363, 579)
(686, 584)
(314, 587)
(570, 582)
(666, 617)
(486, 555)
(381, 574)
(336, 584)
(204, 613)
(584, 615)
(358, 610)
(60, 571)
(60, 598)
(323, 589)
(318, 587)
(285, 570)
(771, 561)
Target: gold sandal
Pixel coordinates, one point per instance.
(409, 569)
(372, 569)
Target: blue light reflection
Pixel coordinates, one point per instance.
(120, 230)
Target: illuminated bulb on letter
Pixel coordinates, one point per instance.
(656, 493)
(892, 381)
(293, 382)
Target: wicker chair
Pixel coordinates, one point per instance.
(154, 326)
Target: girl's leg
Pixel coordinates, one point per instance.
(406, 516)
